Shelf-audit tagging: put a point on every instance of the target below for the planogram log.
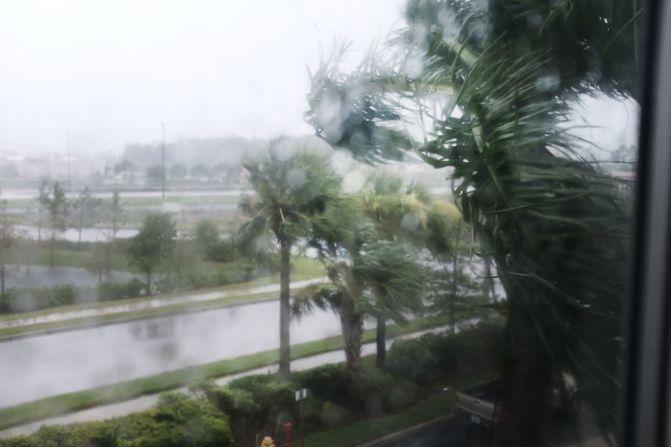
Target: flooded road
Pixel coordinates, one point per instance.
(41, 366)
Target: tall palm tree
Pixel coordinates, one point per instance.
(293, 184)
(555, 225)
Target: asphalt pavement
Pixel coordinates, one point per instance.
(454, 431)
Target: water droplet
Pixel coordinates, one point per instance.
(410, 222)
(534, 21)
(296, 178)
(353, 182)
(549, 81)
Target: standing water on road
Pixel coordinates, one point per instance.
(42, 366)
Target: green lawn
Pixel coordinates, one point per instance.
(71, 402)
(303, 269)
(147, 200)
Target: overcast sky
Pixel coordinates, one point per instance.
(112, 71)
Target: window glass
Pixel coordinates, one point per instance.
(422, 239)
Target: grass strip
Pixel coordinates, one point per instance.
(81, 400)
(375, 428)
(304, 269)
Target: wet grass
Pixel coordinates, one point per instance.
(148, 200)
(303, 269)
(81, 400)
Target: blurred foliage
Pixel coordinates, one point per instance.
(153, 247)
(177, 420)
(496, 80)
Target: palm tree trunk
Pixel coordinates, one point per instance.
(526, 405)
(455, 279)
(487, 285)
(51, 249)
(453, 294)
(380, 342)
(81, 224)
(285, 310)
(352, 330)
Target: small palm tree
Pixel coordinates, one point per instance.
(370, 277)
(293, 184)
(370, 249)
(407, 215)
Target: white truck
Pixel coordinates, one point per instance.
(481, 403)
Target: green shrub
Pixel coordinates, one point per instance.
(111, 291)
(255, 404)
(117, 291)
(135, 287)
(369, 391)
(65, 294)
(177, 420)
(27, 300)
(412, 360)
(327, 383)
(435, 356)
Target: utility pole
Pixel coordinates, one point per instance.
(163, 161)
(69, 161)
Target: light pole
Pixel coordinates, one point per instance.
(69, 161)
(300, 397)
(163, 161)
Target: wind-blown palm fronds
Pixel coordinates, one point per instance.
(351, 111)
(556, 226)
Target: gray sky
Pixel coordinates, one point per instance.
(112, 70)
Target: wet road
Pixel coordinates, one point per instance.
(453, 431)
(41, 366)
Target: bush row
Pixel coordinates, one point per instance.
(26, 300)
(120, 290)
(177, 420)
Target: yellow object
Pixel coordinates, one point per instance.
(267, 442)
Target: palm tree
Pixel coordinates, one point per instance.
(555, 225)
(370, 250)
(370, 276)
(404, 213)
(351, 111)
(292, 186)
(57, 210)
